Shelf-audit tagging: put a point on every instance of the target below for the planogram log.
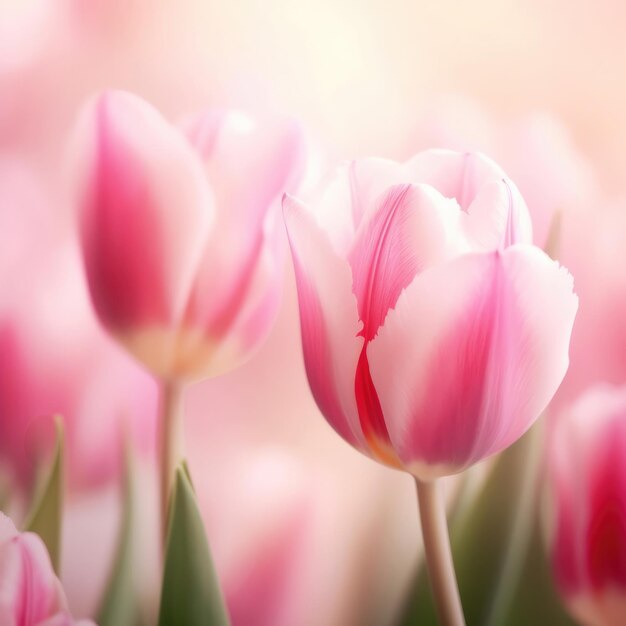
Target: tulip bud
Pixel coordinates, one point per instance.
(178, 242)
(30, 592)
(434, 333)
(587, 507)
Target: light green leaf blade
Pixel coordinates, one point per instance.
(190, 595)
(119, 605)
(45, 517)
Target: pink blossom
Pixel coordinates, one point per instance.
(587, 479)
(55, 357)
(179, 230)
(434, 333)
(30, 592)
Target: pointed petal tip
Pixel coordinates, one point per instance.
(293, 209)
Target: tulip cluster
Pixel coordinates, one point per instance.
(437, 320)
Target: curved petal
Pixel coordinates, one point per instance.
(249, 166)
(7, 528)
(249, 163)
(328, 319)
(605, 539)
(29, 590)
(351, 195)
(587, 468)
(369, 179)
(471, 355)
(145, 217)
(497, 213)
(413, 228)
(210, 351)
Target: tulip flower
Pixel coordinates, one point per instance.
(587, 480)
(434, 333)
(30, 592)
(179, 236)
(55, 357)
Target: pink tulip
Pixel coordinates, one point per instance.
(30, 592)
(55, 357)
(179, 233)
(434, 333)
(587, 471)
(55, 365)
(593, 249)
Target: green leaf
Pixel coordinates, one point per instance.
(535, 600)
(119, 606)
(490, 541)
(45, 517)
(190, 595)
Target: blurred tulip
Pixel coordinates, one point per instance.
(56, 359)
(53, 365)
(593, 249)
(30, 592)
(189, 293)
(587, 472)
(434, 334)
(282, 544)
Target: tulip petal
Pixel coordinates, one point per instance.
(7, 528)
(351, 195)
(497, 214)
(249, 163)
(146, 212)
(328, 319)
(484, 358)
(407, 234)
(402, 237)
(605, 539)
(249, 166)
(29, 590)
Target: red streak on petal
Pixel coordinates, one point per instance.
(371, 414)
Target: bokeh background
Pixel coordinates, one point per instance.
(537, 85)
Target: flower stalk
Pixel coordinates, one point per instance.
(170, 444)
(438, 554)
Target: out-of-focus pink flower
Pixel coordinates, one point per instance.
(282, 546)
(30, 592)
(57, 361)
(434, 334)
(55, 357)
(587, 472)
(179, 233)
(593, 250)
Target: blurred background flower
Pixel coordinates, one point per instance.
(586, 505)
